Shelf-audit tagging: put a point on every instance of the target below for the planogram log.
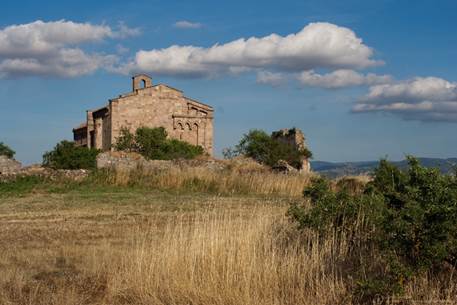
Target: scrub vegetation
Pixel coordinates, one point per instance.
(190, 236)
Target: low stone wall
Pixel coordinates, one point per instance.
(132, 161)
(9, 166)
(123, 161)
(129, 161)
(14, 170)
(54, 174)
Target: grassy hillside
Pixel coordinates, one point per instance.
(182, 237)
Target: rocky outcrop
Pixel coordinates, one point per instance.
(9, 166)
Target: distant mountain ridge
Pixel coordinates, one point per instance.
(338, 169)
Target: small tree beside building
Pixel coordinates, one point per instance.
(5, 150)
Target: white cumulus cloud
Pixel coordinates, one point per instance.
(53, 48)
(184, 24)
(421, 98)
(317, 45)
(341, 78)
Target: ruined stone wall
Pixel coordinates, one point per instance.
(292, 136)
(127, 161)
(296, 138)
(8, 166)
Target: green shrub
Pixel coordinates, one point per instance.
(263, 148)
(153, 144)
(5, 150)
(66, 155)
(408, 217)
(175, 149)
(419, 224)
(125, 141)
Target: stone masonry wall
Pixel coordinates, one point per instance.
(8, 166)
(161, 106)
(127, 161)
(150, 106)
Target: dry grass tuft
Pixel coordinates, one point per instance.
(226, 258)
(236, 178)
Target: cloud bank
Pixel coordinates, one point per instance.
(424, 99)
(317, 45)
(52, 48)
(183, 24)
(57, 49)
(341, 78)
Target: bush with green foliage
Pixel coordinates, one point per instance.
(408, 218)
(5, 150)
(125, 141)
(153, 144)
(66, 155)
(263, 148)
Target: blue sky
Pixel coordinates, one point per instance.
(362, 79)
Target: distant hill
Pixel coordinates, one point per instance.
(338, 169)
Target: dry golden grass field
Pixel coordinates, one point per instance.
(121, 244)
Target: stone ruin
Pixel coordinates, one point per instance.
(11, 169)
(9, 166)
(126, 161)
(294, 137)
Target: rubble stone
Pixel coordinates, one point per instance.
(9, 166)
(284, 167)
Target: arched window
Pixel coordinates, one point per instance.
(196, 136)
(180, 130)
(143, 83)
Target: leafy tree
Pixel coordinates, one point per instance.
(66, 155)
(5, 150)
(408, 217)
(150, 142)
(263, 148)
(153, 144)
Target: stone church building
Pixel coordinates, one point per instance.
(148, 106)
